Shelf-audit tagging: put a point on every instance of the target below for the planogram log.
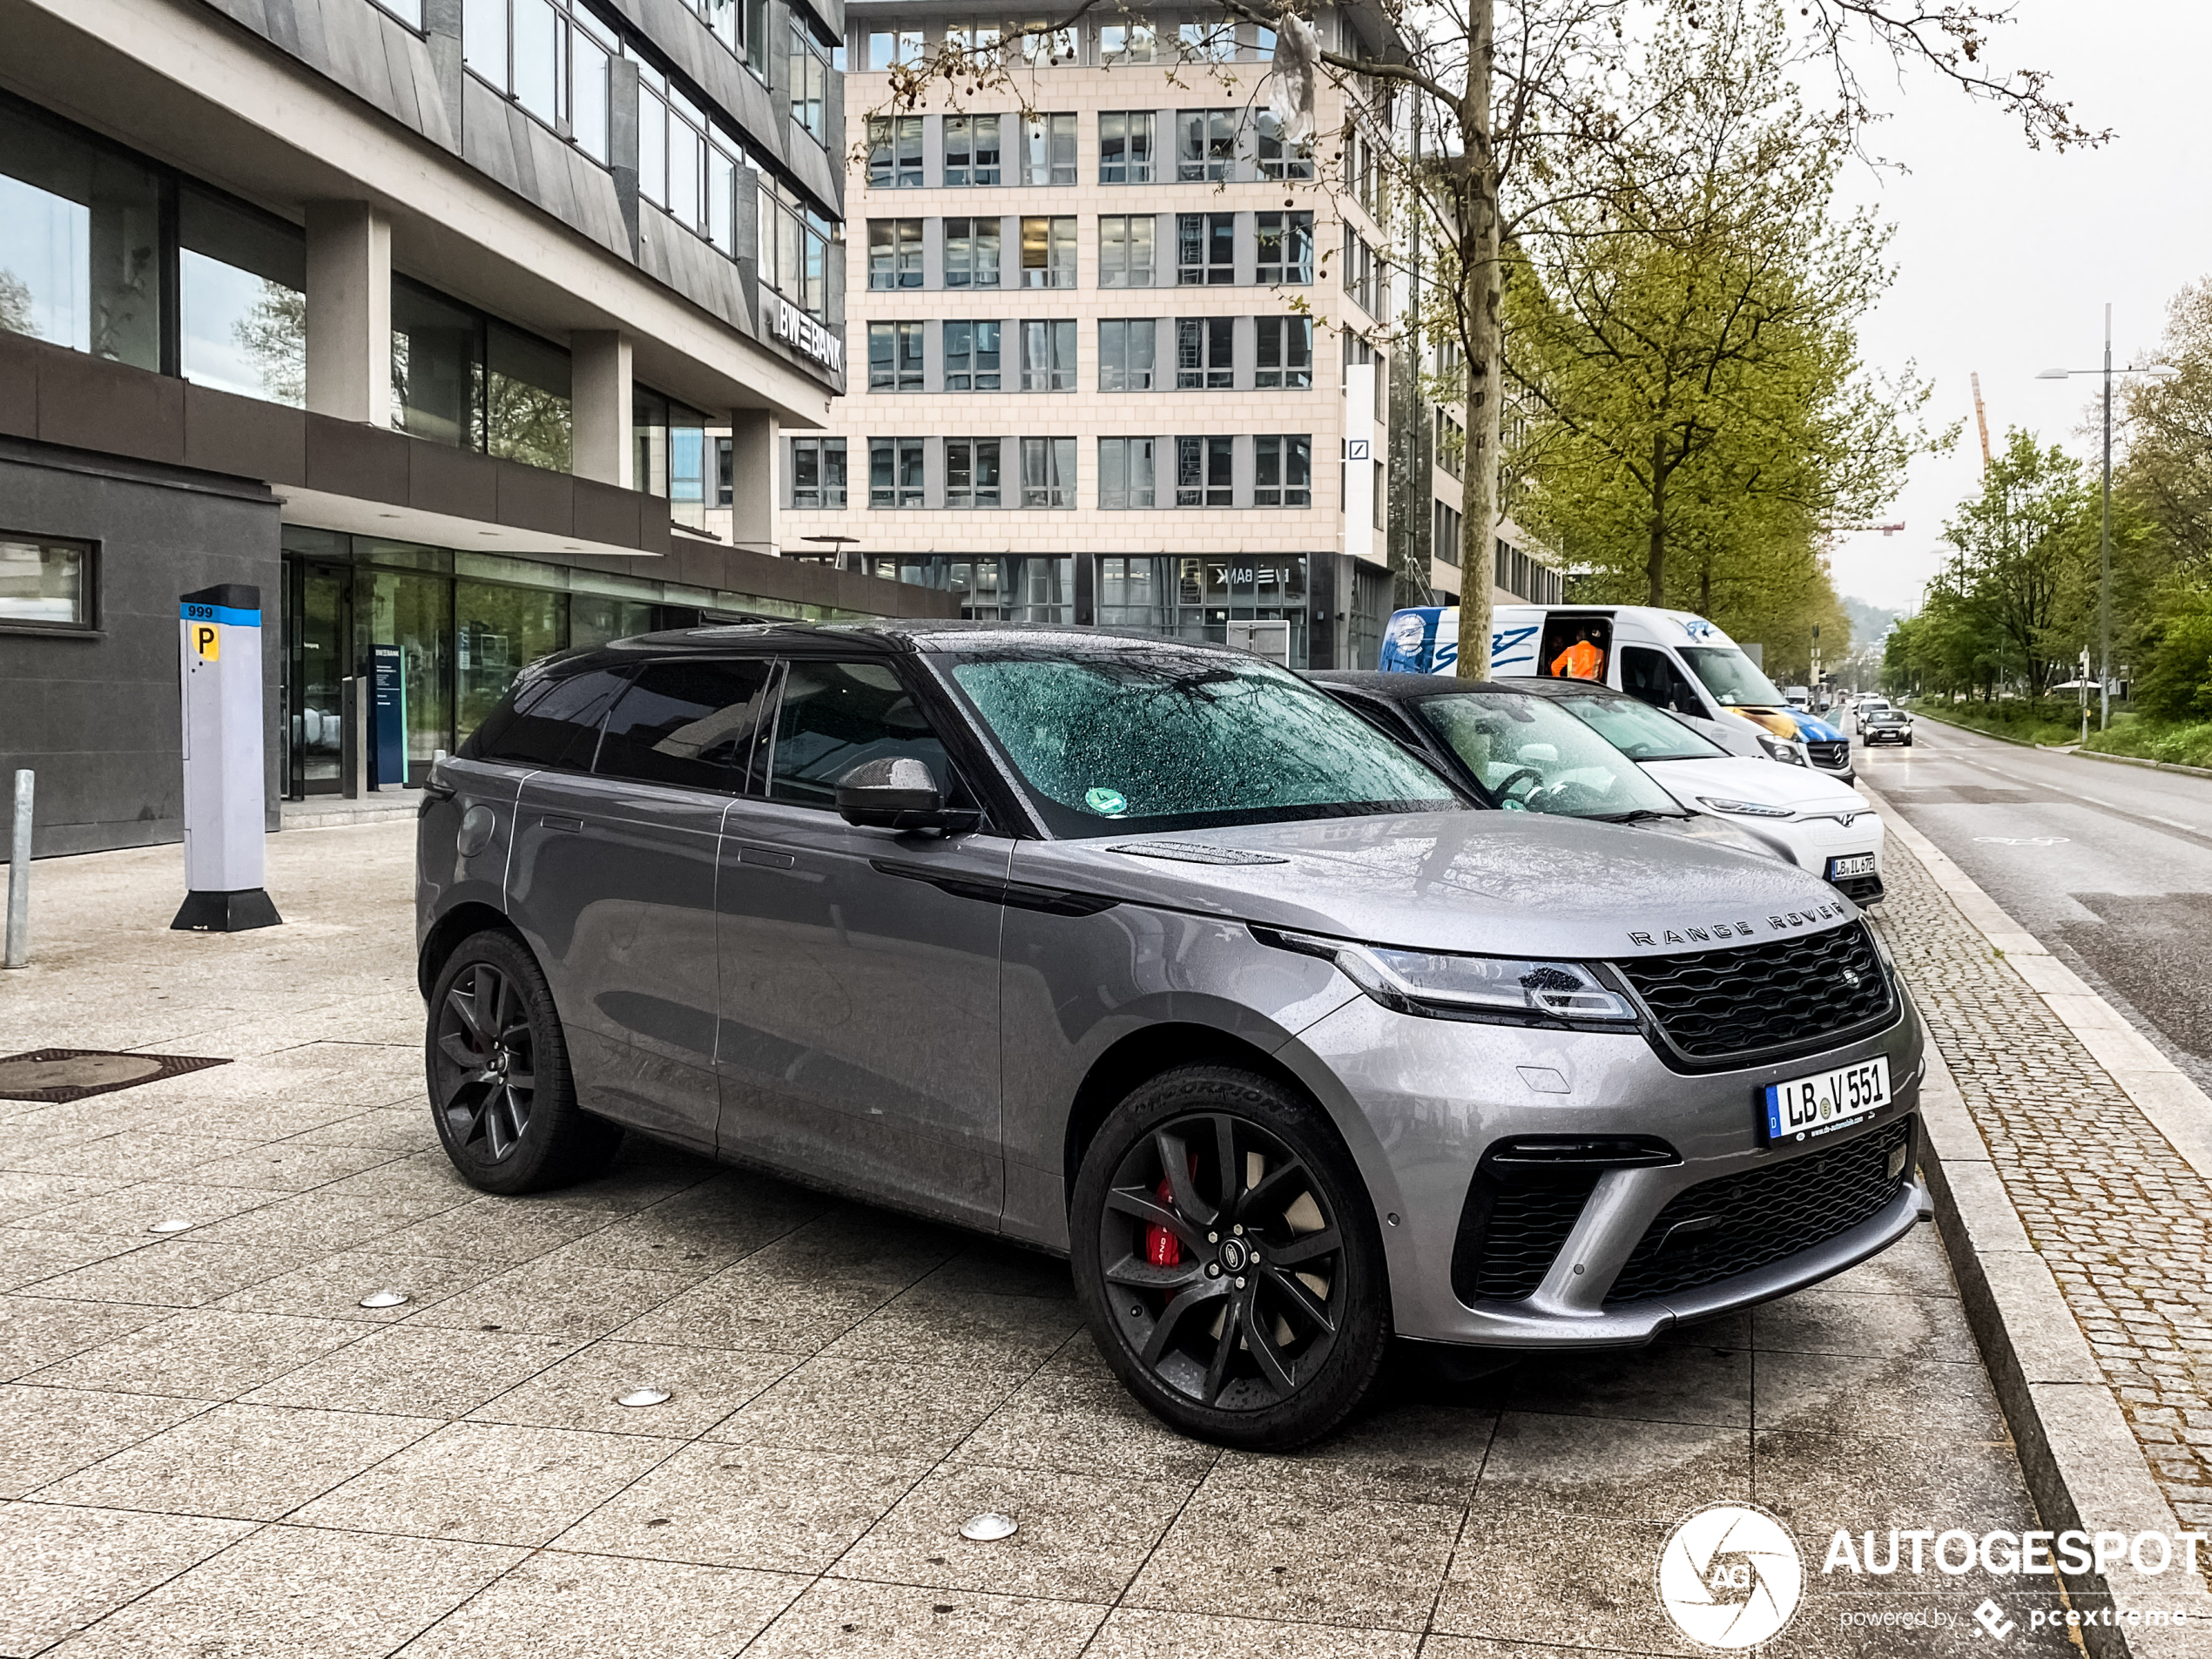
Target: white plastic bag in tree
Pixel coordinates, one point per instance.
(1292, 89)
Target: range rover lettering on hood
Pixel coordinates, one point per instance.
(1711, 931)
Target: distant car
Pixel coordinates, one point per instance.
(1800, 696)
(1885, 725)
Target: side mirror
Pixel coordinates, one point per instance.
(898, 793)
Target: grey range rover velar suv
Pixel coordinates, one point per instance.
(1149, 953)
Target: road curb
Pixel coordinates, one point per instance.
(2137, 760)
(2084, 1466)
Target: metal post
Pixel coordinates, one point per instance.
(2104, 554)
(18, 947)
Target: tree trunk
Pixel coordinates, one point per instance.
(1485, 343)
(1655, 563)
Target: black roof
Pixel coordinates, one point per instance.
(902, 636)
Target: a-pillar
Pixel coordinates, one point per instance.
(349, 311)
(599, 386)
(753, 480)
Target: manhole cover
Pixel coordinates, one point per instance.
(57, 1075)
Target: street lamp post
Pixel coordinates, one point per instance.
(2156, 371)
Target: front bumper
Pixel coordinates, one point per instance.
(1424, 1098)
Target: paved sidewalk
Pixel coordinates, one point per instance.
(208, 1449)
(2123, 1220)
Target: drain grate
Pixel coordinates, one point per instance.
(53, 1076)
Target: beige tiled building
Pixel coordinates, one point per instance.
(1119, 359)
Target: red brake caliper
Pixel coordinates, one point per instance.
(1162, 1247)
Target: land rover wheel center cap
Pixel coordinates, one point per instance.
(1235, 1255)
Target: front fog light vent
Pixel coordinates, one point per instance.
(1550, 1157)
(1897, 1161)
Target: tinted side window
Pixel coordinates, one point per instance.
(690, 724)
(552, 720)
(835, 716)
(1651, 676)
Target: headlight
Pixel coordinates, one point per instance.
(1746, 808)
(1425, 981)
(1788, 753)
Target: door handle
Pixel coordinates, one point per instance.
(560, 821)
(765, 855)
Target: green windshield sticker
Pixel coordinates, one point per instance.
(1107, 803)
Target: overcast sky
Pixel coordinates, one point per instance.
(2007, 255)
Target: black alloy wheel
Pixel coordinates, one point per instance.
(1227, 1256)
(500, 1090)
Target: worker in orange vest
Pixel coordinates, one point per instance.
(1580, 661)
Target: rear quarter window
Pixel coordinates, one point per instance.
(549, 718)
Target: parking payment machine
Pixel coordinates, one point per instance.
(224, 804)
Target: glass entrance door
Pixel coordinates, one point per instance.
(317, 633)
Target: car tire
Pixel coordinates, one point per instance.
(1260, 1320)
(500, 1093)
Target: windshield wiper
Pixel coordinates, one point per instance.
(1635, 817)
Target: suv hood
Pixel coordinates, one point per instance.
(1502, 883)
(1767, 782)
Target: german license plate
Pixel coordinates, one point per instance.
(1851, 864)
(1806, 1108)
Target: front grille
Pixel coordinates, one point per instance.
(1510, 1234)
(1800, 992)
(1764, 1215)
(1829, 755)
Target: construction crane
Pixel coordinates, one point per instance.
(1981, 419)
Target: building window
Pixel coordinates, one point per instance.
(670, 453)
(971, 151)
(1125, 250)
(972, 472)
(818, 472)
(1125, 353)
(241, 297)
(971, 357)
(1285, 357)
(971, 252)
(526, 399)
(895, 253)
(1048, 252)
(1048, 355)
(1443, 534)
(894, 472)
(1207, 43)
(1278, 160)
(46, 583)
(1128, 42)
(795, 248)
(1049, 149)
(437, 368)
(1041, 45)
(894, 153)
(1125, 147)
(1048, 472)
(1206, 354)
(1206, 249)
(1125, 473)
(1282, 471)
(741, 26)
(1206, 146)
(725, 473)
(809, 82)
(548, 55)
(686, 163)
(894, 48)
(1450, 443)
(1285, 248)
(82, 226)
(977, 42)
(894, 356)
(1205, 472)
(1359, 272)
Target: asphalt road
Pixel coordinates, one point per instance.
(2109, 866)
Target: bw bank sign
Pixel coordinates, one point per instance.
(804, 334)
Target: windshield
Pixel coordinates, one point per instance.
(1732, 677)
(1531, 756)
(1166, 738)
(1639, 731)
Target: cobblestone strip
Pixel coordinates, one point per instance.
(2121, 1219)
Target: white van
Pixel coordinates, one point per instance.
(1671, 659)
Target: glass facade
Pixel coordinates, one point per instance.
(80, 243)
(463, 625)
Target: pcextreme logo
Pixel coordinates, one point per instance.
(1730, 1576)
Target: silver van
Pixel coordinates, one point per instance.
(1149, 953)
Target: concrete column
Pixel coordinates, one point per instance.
(349, 311)
(753, 480)
(599, 386)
